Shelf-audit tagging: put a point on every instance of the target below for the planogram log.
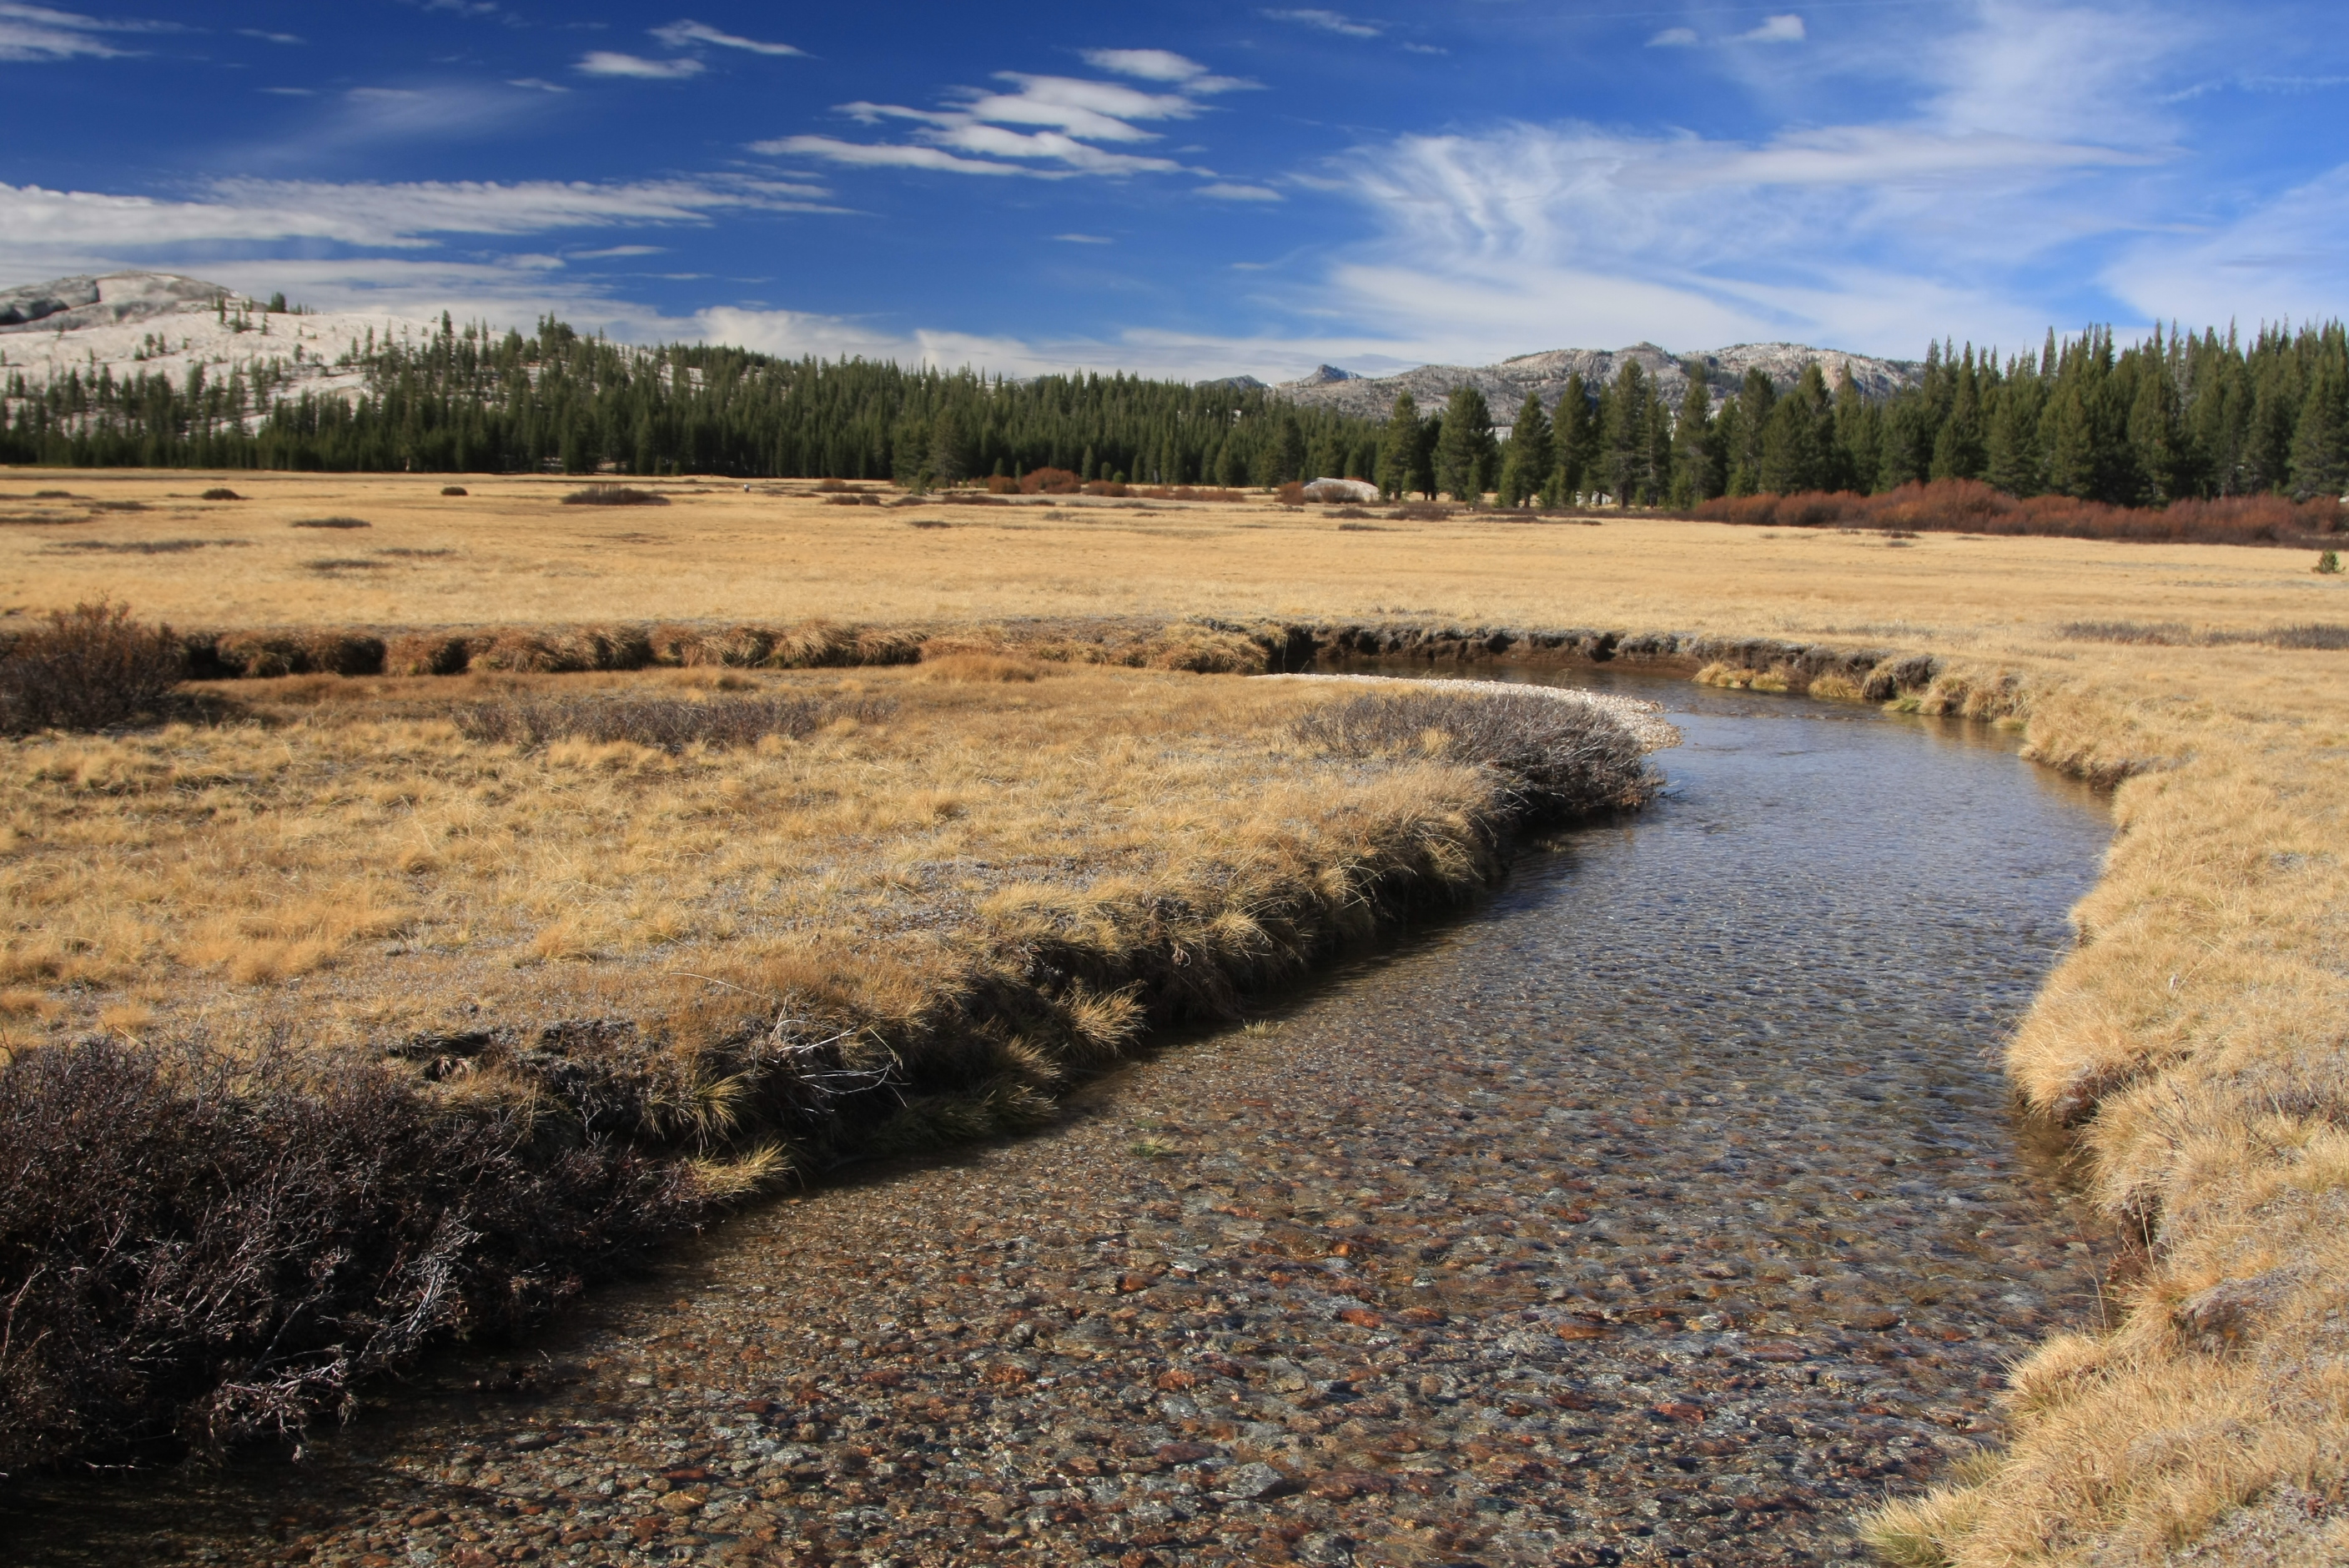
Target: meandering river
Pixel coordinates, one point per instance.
(1665, 1207)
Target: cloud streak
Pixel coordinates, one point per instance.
(685, 33)
(612, 63)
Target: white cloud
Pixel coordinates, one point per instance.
(986, 131)
(608, 250)
(1161, 65)
(268, 37)
(38, 34)
(1231, 191)
(40, 229)
(290, 92)
(609, 63)
(1776, 30)
(1675, 38)
(536, 85)
(1335, 22)
(685, 33)
(2279, 259)
(1085, 239)
(882, 155)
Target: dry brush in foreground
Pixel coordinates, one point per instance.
(416, 1017)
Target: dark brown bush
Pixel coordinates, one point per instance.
(1558, 757)
(87, 669)
(452, 489)
(195, 1249)
(664, 723)
(613, 495)
(853, 498)
(1420, 511)
(220, 492)
(333, 522)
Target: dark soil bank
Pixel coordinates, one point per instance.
(1667, 1209)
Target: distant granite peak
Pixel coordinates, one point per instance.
(1545, 374)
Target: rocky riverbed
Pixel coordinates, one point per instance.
(1665, 1209)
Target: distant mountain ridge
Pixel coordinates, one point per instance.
(1504, 385)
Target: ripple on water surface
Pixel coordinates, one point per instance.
(1664, 1207)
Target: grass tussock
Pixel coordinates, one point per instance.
(613, 495)
(332, 522)
(220, 492)
(1555, 757)
(669, 724)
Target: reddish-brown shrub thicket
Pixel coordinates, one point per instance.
(1969, 506)
(1002, 484)
(1048, 481)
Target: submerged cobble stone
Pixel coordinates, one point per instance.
(1665, 1210)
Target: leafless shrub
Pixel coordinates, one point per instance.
(2315, 634)
(198, 1251)
(329, 565)
(664, 723)
(87, 669)
(220, 492)
(2159, 634)
(613, 495)
(853, 498)
(406, 552)
(333, 522)
(1420, 511)
(1561, 758)
(928, 523)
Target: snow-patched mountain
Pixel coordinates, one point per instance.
(1504, 385)
(137, 324)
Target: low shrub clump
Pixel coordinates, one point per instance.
(613, 495)
(333, 522)
(87, 668)
(1559, 757)
(664, 723)
(220, 492)
(211, 1252)
(452, 489)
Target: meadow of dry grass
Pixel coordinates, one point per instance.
(2196, 1043)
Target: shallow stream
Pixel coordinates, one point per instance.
(1664, 1207)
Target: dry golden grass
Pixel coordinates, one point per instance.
(348, 866)
(357, 869)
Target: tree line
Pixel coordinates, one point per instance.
(470, 400)
(2172, 418)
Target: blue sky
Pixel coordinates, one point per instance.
(1197, 188)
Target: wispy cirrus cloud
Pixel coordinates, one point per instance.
(1047, 127)
(1336, 22)
(41, 35)
(614, 63)
(686, 33)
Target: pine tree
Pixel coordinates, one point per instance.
(2319, 442)
(1961, 449)
(1796, 438)
(1576, 435)
(1399, 448)
(1464, 451)
(1756, 397)
(1693, 449)
(1530, 456)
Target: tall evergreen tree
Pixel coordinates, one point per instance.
(1693, 463)
(2320, 440)
(1756, 397)
(1530, 455)
(1628, 463)
(1465, 453)
(1399, 444)
(1576, 433)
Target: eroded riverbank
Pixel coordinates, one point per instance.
(1667, 1207)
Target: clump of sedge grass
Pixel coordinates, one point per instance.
(87, 668)
(333, 522)
(1559, 757)
(452, 489)
(613, 495)
(663, 723)
(220, 492)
